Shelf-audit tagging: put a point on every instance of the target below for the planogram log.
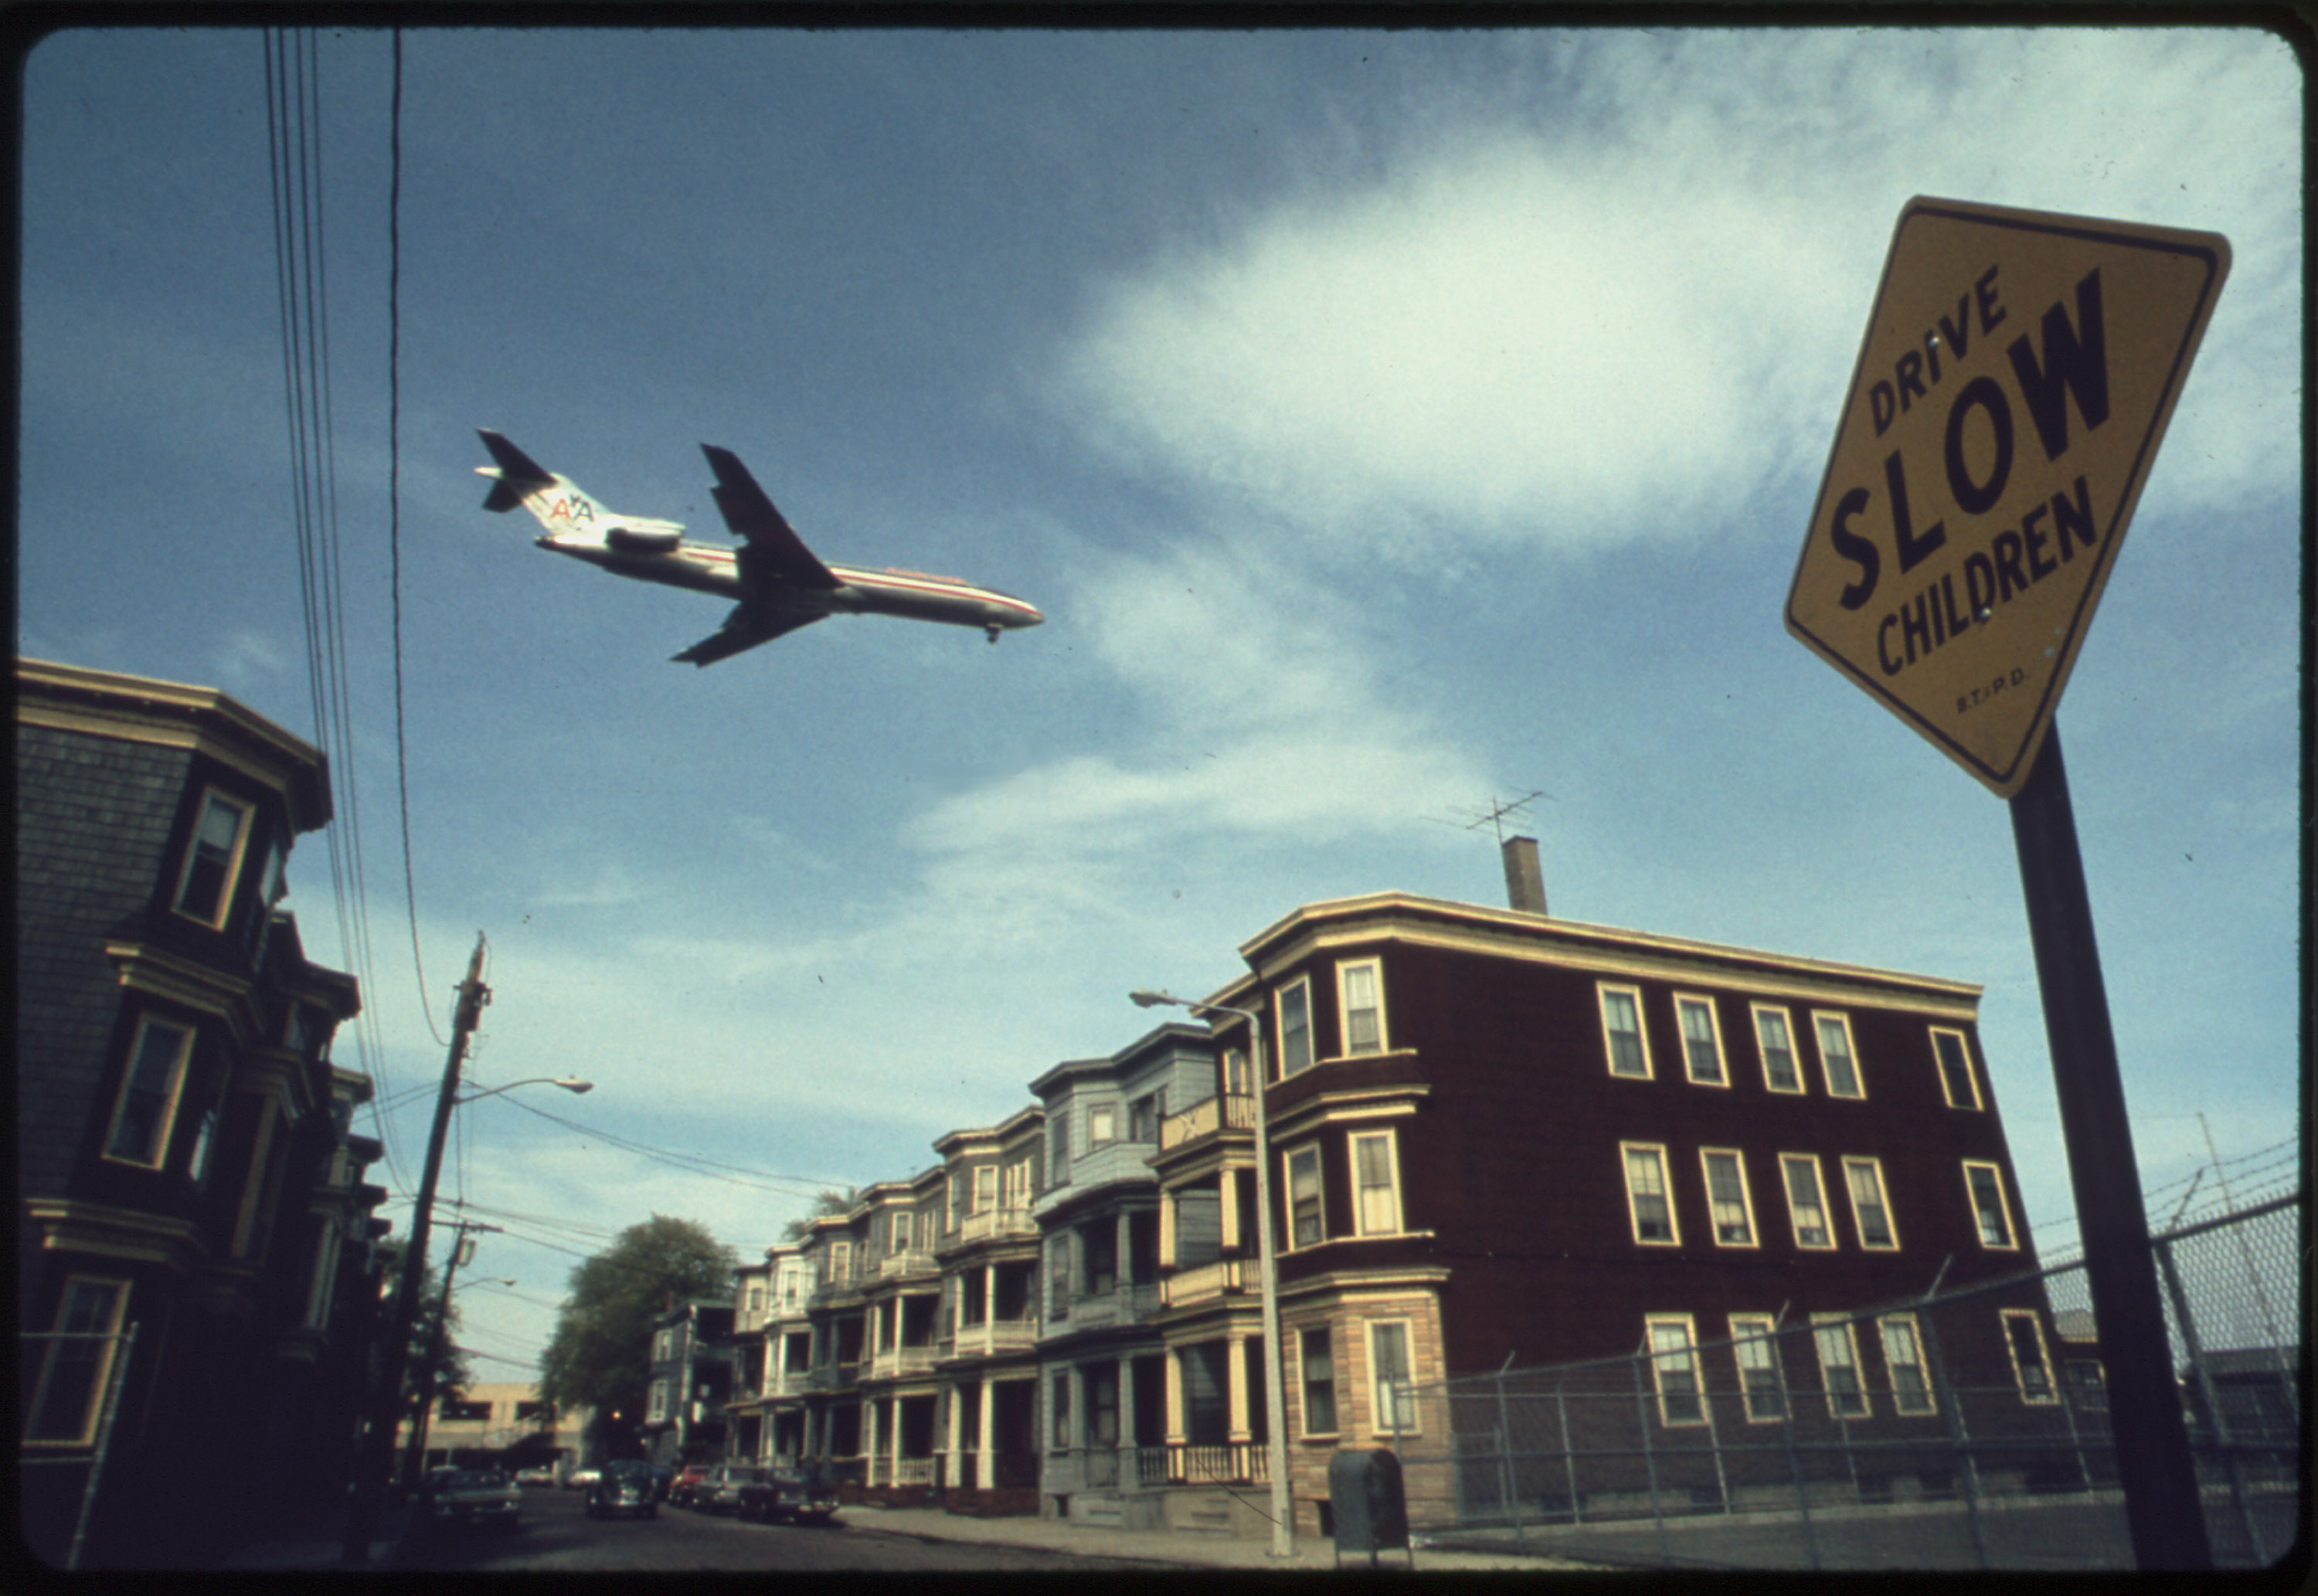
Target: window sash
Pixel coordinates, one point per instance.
(74, 1373)
(1758, 1373)
(147, 1108)
(1304, 1218)
(1986, 1185)
(1648, 1196)
(1295, 1028)
(1777, 1039)
(1806, 1202)
(1674, 1366)
(1392, 1378)
(1702, 1041)
(2032, 1370)
(1622, 1030)
(1319, 1374)
(1955, 1061)
(1374, 1180)
(1363, 1009)
(1903, 1358)
(1727, 1198)
(1835, 1055)
(212, 859)
(1102, 1124)
(1839, 1362)
(1871, 1211)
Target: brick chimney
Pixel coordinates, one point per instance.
(1524, 878)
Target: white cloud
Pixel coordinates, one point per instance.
(1611, 330)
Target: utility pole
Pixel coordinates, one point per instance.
(438, 1345)
(377, 1457)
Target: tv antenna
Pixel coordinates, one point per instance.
(1495, 815)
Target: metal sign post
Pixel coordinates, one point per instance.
(2162, 1510)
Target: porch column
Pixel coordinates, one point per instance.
(989, 1310)
(895, 1476)
(954, 1467)
(1228, 1208)
(869, 1439)
(1236, 1382)
(1175, 1435)
(1167, 1230)
(1126, 1474)
(986, 1450)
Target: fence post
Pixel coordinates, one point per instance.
(1650, 1457)
(1943, 1391)
(1569, 1457)
(2166, 1271)
(1787, 1430)
(119, 1377)
(1508, 1474)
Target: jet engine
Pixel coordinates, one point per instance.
(645, 538)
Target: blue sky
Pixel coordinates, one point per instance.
(1386, 422)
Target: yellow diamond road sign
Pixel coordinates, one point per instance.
(2017, 374)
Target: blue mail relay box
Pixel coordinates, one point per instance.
(1366, 1503)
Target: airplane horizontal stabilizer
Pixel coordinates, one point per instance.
(751, 515)
(744, 628)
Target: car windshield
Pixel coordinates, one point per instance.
(477, 1479)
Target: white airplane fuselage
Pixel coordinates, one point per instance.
(707, 569)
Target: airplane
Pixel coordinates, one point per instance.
(779, 583)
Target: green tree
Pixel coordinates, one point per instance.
(454, 1374)
(600, 1355)
(824, 1203)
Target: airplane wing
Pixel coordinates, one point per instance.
(744, 628)
(772, 540)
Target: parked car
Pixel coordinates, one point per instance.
(472, 1499)
(796, 1492)
(579, 1479)
(543, 1474)
(719, 1492)
(663, 1476)
(623, 1489)
(679, 1489)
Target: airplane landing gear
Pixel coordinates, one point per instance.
(993, 633)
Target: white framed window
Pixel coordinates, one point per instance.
(1839, 1366)
(1360, 1001)
(1622, 1037)
(1903, 1358)
(1376, 1183)
(1836, 1055)
(1983, 1184)
(1728, 1201)
(1317, 1363)
(656, 1410)
(1871, 1210)
(220, 834)
(146, 1108)
(1774, 1039)
(1294, 1007)
(2032, 1370)
(1673, 1365)
(1392, 1377)
(1014, 1185)
(1954, 1056)
(1806, 1201)
(1307, 1226)
(68, 1394)
(1143, 1114)
(1058, 1151)
(899, 1242)
(840, 1262)
(1757, 1353)
(1702, 1041)
(1102, 1124)
(1650, 1202)
(1234, 1073)
(985, 1187)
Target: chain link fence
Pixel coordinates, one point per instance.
(1968, 1429)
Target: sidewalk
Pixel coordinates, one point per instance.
(323, 1546)
(1164, 1548)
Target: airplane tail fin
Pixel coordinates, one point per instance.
(518, 474)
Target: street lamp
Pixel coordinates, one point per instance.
(1275, 1406)
(571, 1083)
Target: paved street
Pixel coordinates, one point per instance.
(556, 1534)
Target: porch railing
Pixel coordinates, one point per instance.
(1205, 1118)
